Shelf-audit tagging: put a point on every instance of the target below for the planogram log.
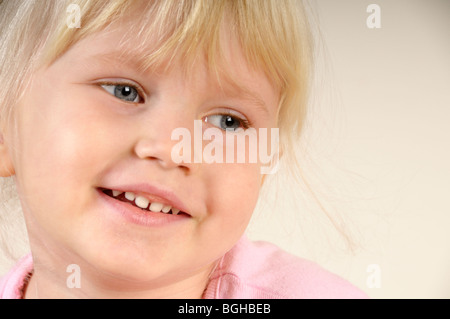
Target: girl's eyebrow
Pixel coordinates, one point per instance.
(244, 93)
(138, 62)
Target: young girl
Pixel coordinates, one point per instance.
(91, 94)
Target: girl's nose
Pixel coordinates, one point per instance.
(155, 142)
(158, 151)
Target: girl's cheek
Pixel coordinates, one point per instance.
(233, 188)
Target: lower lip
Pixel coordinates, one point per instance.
(138, 216)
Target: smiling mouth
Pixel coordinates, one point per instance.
(142, 202)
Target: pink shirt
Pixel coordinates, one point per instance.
(250, 270)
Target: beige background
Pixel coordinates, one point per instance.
(381, 150)
(377, 152)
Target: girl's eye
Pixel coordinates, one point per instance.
(227, 122)
(125, 92)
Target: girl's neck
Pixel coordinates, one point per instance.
(46, 285)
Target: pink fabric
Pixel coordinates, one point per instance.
(12, 283)
(250, 270)
(260, 270)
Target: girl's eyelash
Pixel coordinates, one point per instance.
(245, 123)
(125, 83)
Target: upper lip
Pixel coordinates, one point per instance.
(153, 194)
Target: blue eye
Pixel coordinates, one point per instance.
(124, 92)
(227, 122)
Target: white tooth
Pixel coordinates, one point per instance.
(142, 202)
(156, 207)
(116, 193)
(130, 196)
(175, 211)
(166, 208)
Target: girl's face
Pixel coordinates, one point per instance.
(92, 123)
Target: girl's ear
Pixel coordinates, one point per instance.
(6, 165)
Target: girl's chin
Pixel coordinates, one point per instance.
(120, 272)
